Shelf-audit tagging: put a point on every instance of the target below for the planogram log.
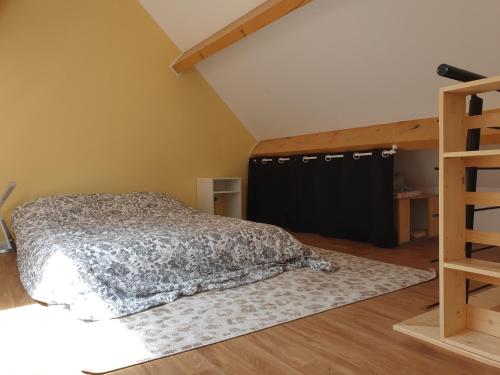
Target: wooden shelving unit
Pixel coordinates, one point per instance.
(472, 328)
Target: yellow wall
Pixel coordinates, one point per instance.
(88, 104)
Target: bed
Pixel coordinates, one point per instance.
(110, 255)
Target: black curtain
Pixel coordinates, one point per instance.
(272, 197)
(345, 197)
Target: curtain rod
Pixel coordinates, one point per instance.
(356, 156)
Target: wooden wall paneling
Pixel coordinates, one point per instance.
(414, 134)
(407, 135)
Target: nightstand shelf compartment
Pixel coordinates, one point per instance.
(220, 196)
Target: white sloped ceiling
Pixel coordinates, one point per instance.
(336, 64)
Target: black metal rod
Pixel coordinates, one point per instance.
(473, 143)
(480, 287)
(432, 305)
(483, 248)
(462, 75)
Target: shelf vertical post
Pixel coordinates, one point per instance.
(452, 137)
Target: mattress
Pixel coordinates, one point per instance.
(110, 255)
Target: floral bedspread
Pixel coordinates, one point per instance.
(111, 255)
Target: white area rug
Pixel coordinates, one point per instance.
(40, 340)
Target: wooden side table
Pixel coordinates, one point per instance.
(404, 214)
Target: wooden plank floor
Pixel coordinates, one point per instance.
(354, 339)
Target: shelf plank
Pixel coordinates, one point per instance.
(480, 159)
(475, 267)
(471, 154)
(485, 120)
(226, 191)
(483, 320)
(474, 87)
(263, 15)
(482, 344)
(482, 278)
(483, 198)
(486, 238)
(483, 161)
(425, 327)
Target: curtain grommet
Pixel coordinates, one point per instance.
(392, 151)
(306, 159)
(329, 158)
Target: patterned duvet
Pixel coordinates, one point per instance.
(111, 255)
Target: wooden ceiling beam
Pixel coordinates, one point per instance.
(407, 135)
(263, 15)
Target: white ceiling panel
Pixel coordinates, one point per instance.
(337, 64)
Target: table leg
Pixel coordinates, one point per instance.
(403, 221)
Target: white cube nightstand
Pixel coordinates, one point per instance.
(221, 196)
